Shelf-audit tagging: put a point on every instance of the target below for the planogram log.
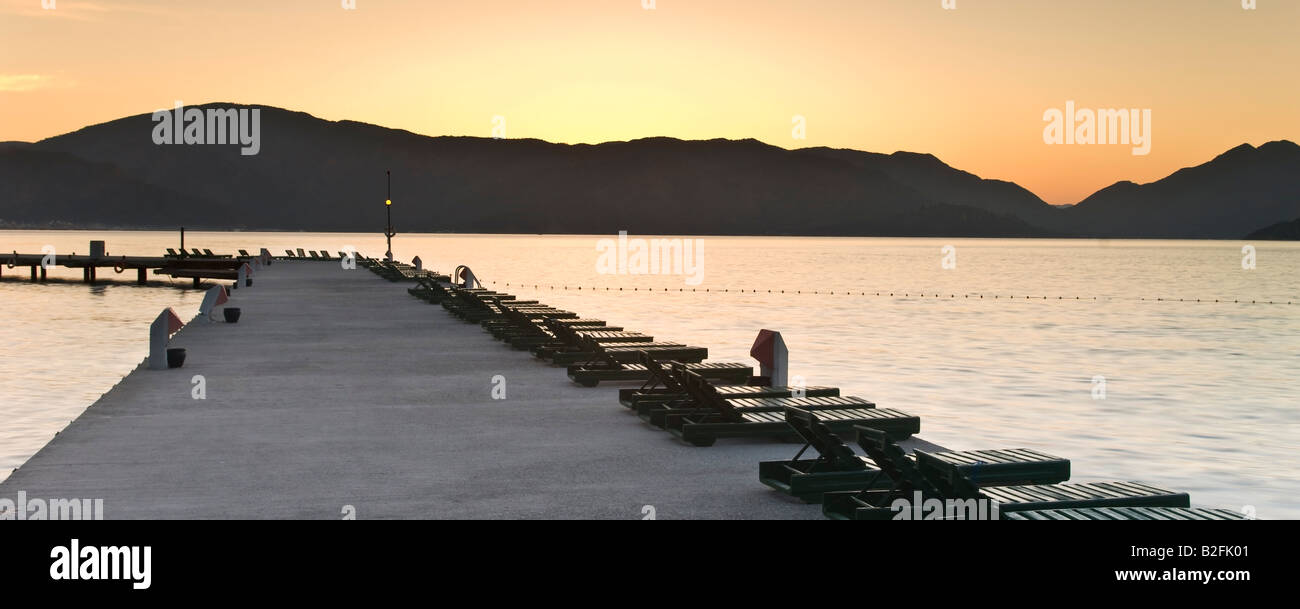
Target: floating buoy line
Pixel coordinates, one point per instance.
(897, 294)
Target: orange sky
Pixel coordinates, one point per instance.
(969, 85)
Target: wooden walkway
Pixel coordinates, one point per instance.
(337, 388)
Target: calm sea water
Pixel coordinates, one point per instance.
(1199, 396)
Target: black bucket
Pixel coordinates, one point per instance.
(175, 357)
(232, 314)
(248, 282)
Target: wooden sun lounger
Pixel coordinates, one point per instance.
(289, 254)
(569, 343)
(476, 309)
(705, 399)
(301, 254)
(935, 478)
(725, 419)
(666, 385)
(597, 353)
(244, 253)
(838, 468)
(196, 251)
(725, 372)
(1129, 513)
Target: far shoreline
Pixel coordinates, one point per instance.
(200, 229)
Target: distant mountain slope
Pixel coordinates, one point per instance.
(313, 174)
(40, 188)
(1239, 191)
(321, 175)
(1282, 231)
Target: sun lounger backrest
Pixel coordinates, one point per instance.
(949, 478)
(661, 373)
(707, 396)
(244, 253)
(892, 460)
(301, 254)
(207, 252)
(827, 444)
(566, 334)
(196, 251)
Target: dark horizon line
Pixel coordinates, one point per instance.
(190, 229)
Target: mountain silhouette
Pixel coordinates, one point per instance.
(313, 174)
(1239, 191)
(1282, 231)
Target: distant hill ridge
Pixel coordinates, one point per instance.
(313, 174)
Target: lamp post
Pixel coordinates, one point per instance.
(388, 206)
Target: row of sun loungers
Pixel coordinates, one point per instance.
(692, 408)
(592, 350)
(397, 271)
(700, 402)
(312, 255)
(194, 253)
(289, 254)
(1023, 484)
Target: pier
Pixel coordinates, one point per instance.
(336, 388)
(196, 268)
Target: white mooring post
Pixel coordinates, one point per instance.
(215, 297)
(244, 272)
(160, 331)
(773, 357)
(266, 257)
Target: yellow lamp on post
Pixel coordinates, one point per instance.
(388, 207)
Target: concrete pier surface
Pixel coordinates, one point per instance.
(336, 388)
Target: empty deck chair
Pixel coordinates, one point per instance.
(569, 347)
(196, 251)
(613, 356)
(209, 253)
(172, 253)
(289, 254)
(666, 388)
(838, 468)
(1130, 513)
(480, 306)
(244, 253)
(703, 398)
(623, 348)
(935, 478)
(540, 333)
(325, 254)
(301, 254)
(723, 372)
(428, 290)
(733, 418)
